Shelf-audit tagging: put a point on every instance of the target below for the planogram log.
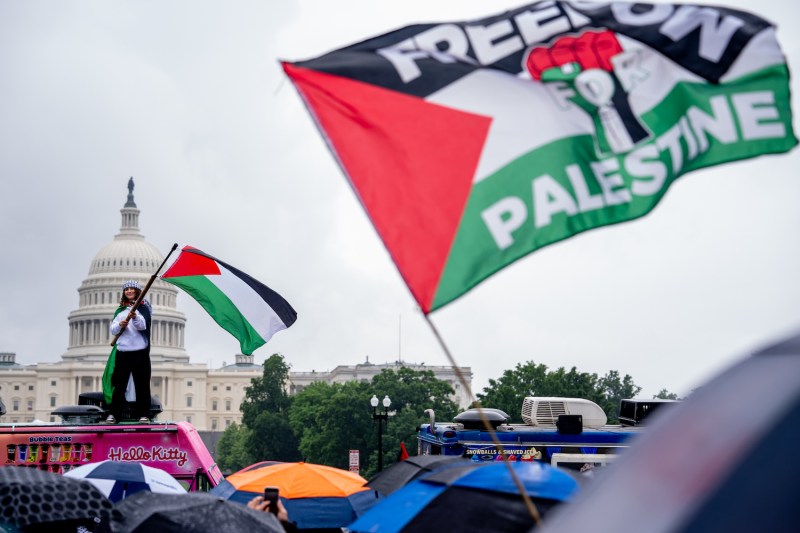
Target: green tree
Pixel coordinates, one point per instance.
(329, 422)
(233, 452)
(415, 389)
(411, 393)
(265, 412)
(507, 393)
(572, 384)
(267, 393)
(530, 379)
(614, 389)
(272, 438)
(664, 394)
(332, 419)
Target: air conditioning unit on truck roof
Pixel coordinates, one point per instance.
(544, 411)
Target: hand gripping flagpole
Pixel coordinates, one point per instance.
(140, 299)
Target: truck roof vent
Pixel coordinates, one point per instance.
(544, 411)
(80, 414)
(471, 418)
(97, 399)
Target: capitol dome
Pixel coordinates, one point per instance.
(128, 256)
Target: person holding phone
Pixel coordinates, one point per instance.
(271, 495)
(271, 503)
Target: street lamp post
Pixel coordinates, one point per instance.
(384, 416)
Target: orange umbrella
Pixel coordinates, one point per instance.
(315, 496)
(298, 480)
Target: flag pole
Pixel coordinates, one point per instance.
(140, 299)
(498, 445)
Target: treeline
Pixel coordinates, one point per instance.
(530, 379)
(323, 422)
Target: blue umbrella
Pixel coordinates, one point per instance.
(469, 497)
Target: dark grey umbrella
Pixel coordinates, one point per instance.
(195, 512)
(402, 472)
(33, 499)
(722, 460)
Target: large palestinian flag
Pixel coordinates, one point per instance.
(242, 305)
(472, 144)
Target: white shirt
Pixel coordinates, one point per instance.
(131, 339)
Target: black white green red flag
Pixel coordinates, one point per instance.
(242, 305)
(472, 144)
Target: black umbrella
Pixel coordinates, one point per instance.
(402, 472)
(33, 499)
(195, 512)
(722, 460)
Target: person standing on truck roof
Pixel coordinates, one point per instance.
(133, 354)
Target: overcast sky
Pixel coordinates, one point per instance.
(188, 98)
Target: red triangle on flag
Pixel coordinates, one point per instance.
(411, 163)
(191, 264)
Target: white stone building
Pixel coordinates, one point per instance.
(208, 398)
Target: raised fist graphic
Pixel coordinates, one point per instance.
(590, 65)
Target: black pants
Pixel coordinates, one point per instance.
(138, 364)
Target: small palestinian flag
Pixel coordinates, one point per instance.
(243, 306)
(471, 144)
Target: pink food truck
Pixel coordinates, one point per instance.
(174, 447)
